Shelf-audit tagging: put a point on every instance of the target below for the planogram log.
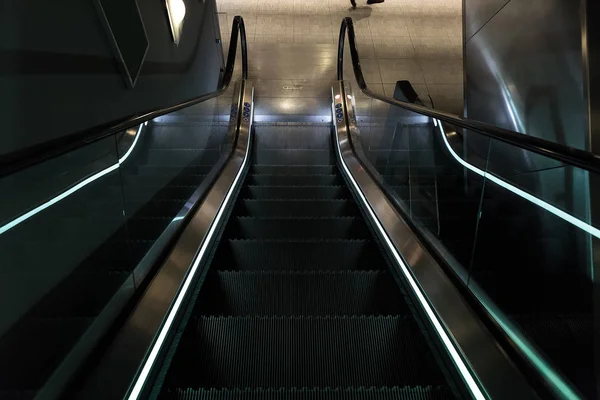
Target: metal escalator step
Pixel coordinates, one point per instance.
(294, 180)
(166, 170)
(334, 255)
(298, 228)
(296, 192)
(294, 169)
(182, 157)
(373, 393)
(287, 293)
(303, 351)
(293, 156)
(297, 208)
(286, 136)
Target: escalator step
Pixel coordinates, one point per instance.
(332, 255)
(297, 208)
(298, 228)
(296, 352)
(294, 169)
(293, 137)
(293, 156)
(294, 180)
(296, 192)
(396, 393)
(173, 171)
(287, 293)
(182, 157)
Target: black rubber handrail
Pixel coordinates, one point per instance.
(21, 159)
(568, 155)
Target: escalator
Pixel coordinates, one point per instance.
(289, 260)
(299, 301)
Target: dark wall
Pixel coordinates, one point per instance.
(58, 73)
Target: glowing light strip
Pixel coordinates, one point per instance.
(470, 381)
(141, 380)
(137, 136)
(543, 366)
(519, 192)
(8, 226)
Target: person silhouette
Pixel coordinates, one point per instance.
(353, 2)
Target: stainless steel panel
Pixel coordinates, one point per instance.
(131, 355)
(478, 12)
(467, 340)
(524, 71)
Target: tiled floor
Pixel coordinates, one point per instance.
(416, 40)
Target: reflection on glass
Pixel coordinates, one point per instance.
(62, 264)
(516, 226)
(532, 265)
(172, 158)
(437, 193)
(534, 260)
(75, 229)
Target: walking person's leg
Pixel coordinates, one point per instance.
(353, 2)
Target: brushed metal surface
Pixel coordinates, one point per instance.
(127, 355)
(497, 377)
(526, 74)
(478, 12)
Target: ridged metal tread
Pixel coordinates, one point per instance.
(161, 170)
(296, 208)
(277, 254)
(294, 180)
(352, 393)
(288, 293)
(312, 169)
(296, 192)
(293, 156)
(304, 351)
(298, 228)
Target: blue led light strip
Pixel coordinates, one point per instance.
(447, 342)
(156, 347)
(24, 217)
(519, 192)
